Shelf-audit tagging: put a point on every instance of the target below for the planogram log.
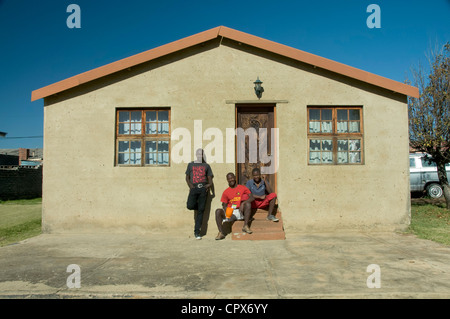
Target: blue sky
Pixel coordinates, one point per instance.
(38, 49)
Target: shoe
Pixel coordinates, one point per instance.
(197, 236)
(272, 218)
(220, 236)
(246, 229)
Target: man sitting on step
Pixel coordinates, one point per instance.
(263, 194)
(236, 199)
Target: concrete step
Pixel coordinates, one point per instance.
(262, 228)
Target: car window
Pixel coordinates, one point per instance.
(426, 163)
(412, 162)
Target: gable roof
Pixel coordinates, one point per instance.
(235, 35)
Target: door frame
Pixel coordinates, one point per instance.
(270, 106)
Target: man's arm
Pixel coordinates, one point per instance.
(268, 187)
(210, 185)
(188, 176)
(188, 181)
(251, 196)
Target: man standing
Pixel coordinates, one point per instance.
(263, 194)
(236, 197)
(199, 179)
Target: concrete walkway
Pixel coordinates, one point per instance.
(305, 265)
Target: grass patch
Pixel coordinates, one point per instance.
(19, 220)
(431, 222)
(33, 201)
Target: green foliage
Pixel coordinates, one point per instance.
(430, 114)
(431, 222)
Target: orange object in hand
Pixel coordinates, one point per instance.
(229, 212)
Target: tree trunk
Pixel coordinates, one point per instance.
(443, 180)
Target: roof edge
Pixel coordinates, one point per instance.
(235, 35)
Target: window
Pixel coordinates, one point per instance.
(335, 135)
(143, 137)
(427, 163)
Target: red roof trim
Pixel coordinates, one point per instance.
(233, 35)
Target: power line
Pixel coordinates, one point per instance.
(21, 137)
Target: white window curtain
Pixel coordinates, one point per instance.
(129, 152)
(314, 127)
(314, 157)
(157, 152)
(354, 127)
(348, 127)
(327, 127)
(342, 151)
(136, 123)
(354, 145)
(327, 154)
(355, 157)
(314, 151)
(320, 151)
(342, 127)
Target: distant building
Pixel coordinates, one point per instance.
(21, 156)
(20, 173)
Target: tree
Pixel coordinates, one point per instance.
(429, 115)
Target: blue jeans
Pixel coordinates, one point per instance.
(197, 201)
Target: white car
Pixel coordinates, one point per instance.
(423, 175)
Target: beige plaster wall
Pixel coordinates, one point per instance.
(84, 190)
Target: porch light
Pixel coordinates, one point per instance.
(258, 88)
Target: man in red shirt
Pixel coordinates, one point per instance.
(239, 198)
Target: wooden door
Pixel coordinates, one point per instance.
(256, 116)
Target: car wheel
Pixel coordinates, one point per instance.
(434, 191)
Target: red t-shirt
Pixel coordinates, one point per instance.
(234, 196)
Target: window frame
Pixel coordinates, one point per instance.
(142, 137)
(334, 135)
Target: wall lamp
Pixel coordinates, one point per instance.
(258, 88)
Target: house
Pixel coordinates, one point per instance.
(332, 139)
(21, 156)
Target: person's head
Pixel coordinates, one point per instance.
(231, 179)
(199, 154)
(256, 174)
